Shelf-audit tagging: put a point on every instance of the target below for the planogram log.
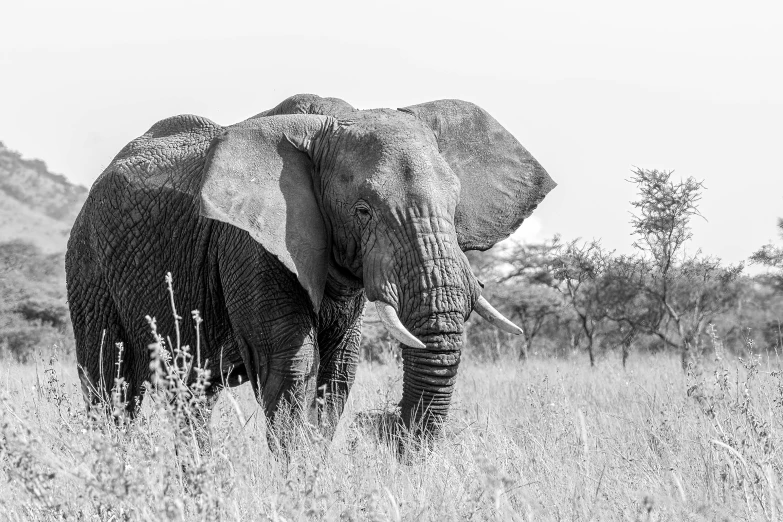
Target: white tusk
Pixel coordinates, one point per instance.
(392, 322)
(495, 318)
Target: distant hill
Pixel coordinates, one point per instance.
(36, 205)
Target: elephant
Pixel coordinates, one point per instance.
(279, 228)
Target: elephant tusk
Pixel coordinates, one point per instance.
(392, 322)
(488, 312)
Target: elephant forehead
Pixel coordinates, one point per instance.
(385, 148)
(388, 175)
(391, 129)
(414, 174)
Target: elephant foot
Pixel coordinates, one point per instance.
(387, 427)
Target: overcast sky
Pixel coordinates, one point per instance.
(590, 88)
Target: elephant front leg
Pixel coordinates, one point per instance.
(288, 391)
(339, 349)
(273, 324)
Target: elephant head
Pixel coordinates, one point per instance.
(388, 199)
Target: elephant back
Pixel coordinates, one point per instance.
(310, 104)
(144, 199)
(152, 183)
(169, 155)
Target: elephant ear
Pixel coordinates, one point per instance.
(502, 183)
(258, 177)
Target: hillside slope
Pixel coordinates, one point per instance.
(35, 204)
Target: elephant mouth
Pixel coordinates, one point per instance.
(343, 277)
(439, 329)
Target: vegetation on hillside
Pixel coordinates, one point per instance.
(30, 182)
(33, 310)
(35, 204)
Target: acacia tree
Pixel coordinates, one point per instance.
(683, 293)
(703, 289)
(531, 262)
(552, 282)
(626, 305)
(578, 274)
(530, 305)
(662, 221)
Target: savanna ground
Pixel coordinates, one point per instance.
(544, 439)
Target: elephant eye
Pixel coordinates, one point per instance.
(362, 212)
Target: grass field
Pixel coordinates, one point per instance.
(541, 440)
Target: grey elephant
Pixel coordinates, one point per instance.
(276, 228)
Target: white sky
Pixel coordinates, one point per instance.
(590, 88)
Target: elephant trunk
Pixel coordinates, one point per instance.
(428, 382)
(434, 307)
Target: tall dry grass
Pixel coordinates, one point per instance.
(541, 440)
